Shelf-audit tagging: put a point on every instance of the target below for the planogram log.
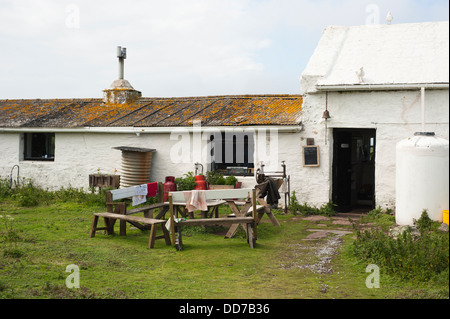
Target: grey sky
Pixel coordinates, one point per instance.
(67, 49)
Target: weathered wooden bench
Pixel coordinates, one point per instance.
(229, 195)
(118, 211)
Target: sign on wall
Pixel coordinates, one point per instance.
(311, 155)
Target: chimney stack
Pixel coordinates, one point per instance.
(121, 91)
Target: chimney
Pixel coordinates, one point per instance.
(120, 91)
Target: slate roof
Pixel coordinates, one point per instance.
(152, 112)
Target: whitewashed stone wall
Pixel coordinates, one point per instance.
(79, 154)
(395, 115)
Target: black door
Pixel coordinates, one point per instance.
(353, 169)
(342, 169)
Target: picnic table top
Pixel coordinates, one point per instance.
(209, 202)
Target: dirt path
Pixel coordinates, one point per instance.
(316, 252)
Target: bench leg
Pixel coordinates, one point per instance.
(250, 236)
(109, 225)
(166, 234)
(93, 227)
(151, 239)
(123, 228)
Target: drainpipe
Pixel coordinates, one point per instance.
(422, 104)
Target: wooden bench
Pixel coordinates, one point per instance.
(248, 222)
(111, 217)
(118, 211)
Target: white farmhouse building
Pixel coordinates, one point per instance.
(367, 79)
(59, 143)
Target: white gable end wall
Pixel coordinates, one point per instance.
(389, 54)
(397, 60)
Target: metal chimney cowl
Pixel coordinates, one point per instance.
(121, 91)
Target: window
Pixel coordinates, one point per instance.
(39, 146)
(232, 153)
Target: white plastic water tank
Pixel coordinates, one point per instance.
(422, 177)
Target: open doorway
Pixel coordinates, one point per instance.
(353, 169)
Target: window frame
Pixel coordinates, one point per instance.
(33, 143)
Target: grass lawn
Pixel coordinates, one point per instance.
(48, 238)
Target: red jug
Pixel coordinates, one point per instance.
(200, 182)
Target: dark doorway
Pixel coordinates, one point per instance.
(353, 169)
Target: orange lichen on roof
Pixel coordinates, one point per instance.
(147, 112)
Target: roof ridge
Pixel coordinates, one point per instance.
(225, 96)
(55, 99)
(231, 96)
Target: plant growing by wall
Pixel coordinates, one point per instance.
(185, 183)
(408, 256)
(305, 210)
(230, 180)
(424, 223)
(215, 178)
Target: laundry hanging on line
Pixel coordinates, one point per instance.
(152, 189)
(140, 194)
(143, 191)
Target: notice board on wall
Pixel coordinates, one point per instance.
(311, 155)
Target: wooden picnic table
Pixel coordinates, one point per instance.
(221, 196)
(239, 209)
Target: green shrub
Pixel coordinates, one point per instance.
(306, 210)
(424, 223)
(29, 195)
(215, 178)
(382, 217)
(230, 180)
(5, 191)
(408, 257)
(186, 183)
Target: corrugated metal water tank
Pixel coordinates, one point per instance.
(422, 177)
(136, 165)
